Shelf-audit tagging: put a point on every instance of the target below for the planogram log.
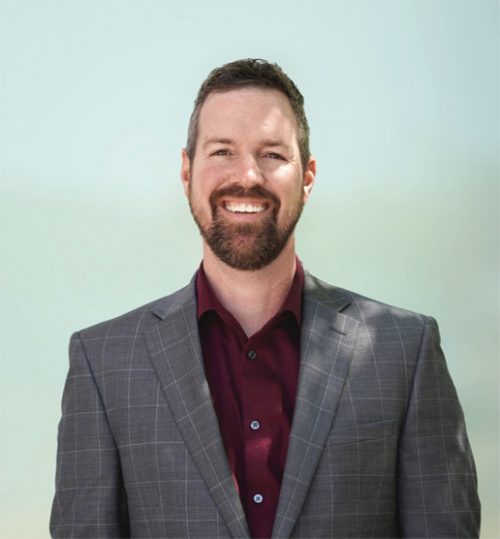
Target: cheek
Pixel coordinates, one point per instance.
(291, 202)
(205, 179)
(211, 170)
(293, 195)
(197, 196)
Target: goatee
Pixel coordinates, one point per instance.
(247, 246)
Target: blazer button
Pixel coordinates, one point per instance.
(258, 498)
(252, 354)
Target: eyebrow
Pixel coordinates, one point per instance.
(267, 143)
(273, 143)
(217, 141)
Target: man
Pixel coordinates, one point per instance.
(259, 401)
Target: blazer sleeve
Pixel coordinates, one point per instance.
(90, 499)
(437, 485)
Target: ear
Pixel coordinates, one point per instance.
(185, 171)
(309, 176)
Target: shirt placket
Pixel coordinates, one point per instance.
(257, 434)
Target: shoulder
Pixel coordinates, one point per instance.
(380, 329)
(366, 310)
(141, 318)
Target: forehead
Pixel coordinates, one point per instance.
(247, 110)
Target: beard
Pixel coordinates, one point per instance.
(246, 246)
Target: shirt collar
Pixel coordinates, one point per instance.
(208, 301)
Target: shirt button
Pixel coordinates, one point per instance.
(258, 498)
(252, 354)
(255, 425)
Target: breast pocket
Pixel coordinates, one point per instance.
(356, 475)
(363, 432)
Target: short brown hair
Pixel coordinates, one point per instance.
(251, 72)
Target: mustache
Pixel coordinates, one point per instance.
(255, 192)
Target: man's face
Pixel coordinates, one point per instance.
(245, 185)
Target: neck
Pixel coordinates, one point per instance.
(252, 297)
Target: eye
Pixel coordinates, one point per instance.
(274, 155)
(222, 151)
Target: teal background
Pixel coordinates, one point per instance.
(402, 99)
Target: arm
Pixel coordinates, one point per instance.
(437, 486)
(90, 499)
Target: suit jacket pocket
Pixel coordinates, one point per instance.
(362, 432)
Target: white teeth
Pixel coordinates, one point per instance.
(240, 207)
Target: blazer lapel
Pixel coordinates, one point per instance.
(327, 342)
(176, 354)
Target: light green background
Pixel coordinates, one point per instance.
(402, 98)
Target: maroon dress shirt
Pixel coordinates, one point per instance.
(253, 383)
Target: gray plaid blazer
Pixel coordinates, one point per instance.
(378, 446)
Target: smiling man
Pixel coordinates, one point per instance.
(249, 134)
(259, 401)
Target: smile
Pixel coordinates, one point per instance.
(244, 207)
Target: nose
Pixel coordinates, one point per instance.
(249, 172)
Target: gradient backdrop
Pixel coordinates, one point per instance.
(403, 102)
